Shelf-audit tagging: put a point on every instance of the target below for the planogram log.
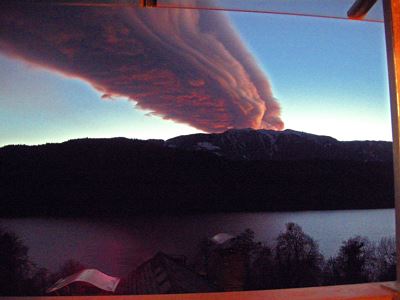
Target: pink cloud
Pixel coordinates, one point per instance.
(185, 65)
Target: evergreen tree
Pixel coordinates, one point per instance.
(15, 266)
(68, 268)
(351, 264)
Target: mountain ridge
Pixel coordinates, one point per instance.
(250, 144)
(262, 144)
(113, 177)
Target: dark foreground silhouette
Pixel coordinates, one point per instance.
(240, 263)
(112, 177)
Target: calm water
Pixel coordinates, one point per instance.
(118, 246)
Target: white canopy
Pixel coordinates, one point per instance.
(92, 276)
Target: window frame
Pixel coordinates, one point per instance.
(392, 33)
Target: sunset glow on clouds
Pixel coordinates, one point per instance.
(184, 65)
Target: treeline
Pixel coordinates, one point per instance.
(120, 177)
(296, 261)
(19, 276)
(241, 263)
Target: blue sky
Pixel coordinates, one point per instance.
(39, 106)
(329, 77)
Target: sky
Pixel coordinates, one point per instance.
(164, 73)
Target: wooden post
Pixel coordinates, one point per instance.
(148, 3)
(392, 31)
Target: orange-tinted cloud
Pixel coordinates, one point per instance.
(185, 65)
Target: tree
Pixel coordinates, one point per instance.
(298, 260)
(69, 267)
(40, 281)
(354, 263)
(261, 275)
(386, 259)
(245, 243)
(15, 266)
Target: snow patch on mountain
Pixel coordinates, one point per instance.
(208, 146)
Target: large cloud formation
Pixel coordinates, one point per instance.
(189, 66)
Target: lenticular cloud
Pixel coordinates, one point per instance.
(189, 66)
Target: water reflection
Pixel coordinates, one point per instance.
(118, 246)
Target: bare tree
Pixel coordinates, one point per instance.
(298, 260)
(386, 259)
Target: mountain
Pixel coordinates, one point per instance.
(235, 171)
(250, 144)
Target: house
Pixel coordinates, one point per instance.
(164, 274)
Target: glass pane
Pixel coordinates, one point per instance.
(329, 8)
(192, 149)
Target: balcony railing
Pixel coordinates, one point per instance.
(377, 290)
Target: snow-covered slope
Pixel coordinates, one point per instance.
(249, 144)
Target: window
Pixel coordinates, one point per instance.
(189, 149)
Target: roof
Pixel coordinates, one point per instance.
(164, 274)
(92, 276)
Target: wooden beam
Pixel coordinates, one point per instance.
(148, 3)
(360, 9)
(392, 31)
(365, 291)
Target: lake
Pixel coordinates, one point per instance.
(117, 246)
